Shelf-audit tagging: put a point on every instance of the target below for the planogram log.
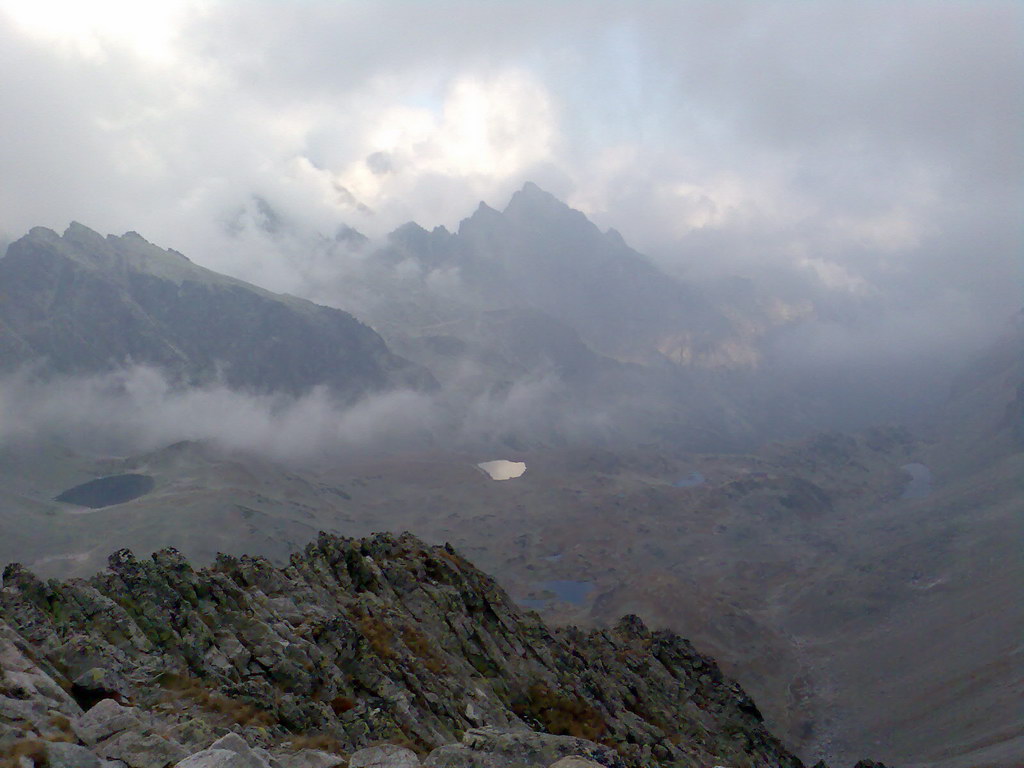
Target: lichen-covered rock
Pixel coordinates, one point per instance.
(384, 756)
(362, 642)
(309, 758)
(30, 699)
(63, 755)
(105, 719)
(138, 750)
(235, 743)
(461, 756)
(506, 748)
(575, 761)
(214, 758)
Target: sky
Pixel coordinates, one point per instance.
(866, 152)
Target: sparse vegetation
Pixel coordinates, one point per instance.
(61, 722)
(451, 556)
(423, 649)
(238, 712)
(342, 704)
(319, 741)
(378, 635)
(33, 749)
(560, 714)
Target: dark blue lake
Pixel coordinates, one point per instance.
(108, 491)
(690, 480)
(574, 592)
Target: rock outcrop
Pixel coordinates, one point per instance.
(383, 648)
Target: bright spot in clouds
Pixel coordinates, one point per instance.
(487, 128)
(147, 28)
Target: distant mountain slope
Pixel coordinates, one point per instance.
(542, 255)
(983, 419)
(922, 653)
(82, 303)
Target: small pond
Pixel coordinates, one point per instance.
(108, 491)
(502, 469)
(690, 480)
(572, 592)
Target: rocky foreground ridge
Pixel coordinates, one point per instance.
(381, 651)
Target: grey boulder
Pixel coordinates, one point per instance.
(491, 747)
(214, 758)
(138, 751)
(309, 758)
(235, 743)
(104, 719)
(384, 756)
(575, 761)
(62, 755)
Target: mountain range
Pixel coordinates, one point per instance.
(818, 570)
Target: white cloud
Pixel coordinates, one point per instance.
(883, 140)
(91, 29)
(485, 132)
(835, 277)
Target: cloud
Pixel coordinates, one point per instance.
(137, 409)
(831, 145)
(484, 130)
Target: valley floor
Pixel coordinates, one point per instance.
(862, 623)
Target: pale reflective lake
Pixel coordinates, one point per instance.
(502, 469)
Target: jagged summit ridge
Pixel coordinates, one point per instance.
(129, 251)
(382, 638)
(532, 200)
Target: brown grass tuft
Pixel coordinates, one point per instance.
(423, 649)
(342, 704)
(238, 712)
(33, 749)
(559, 714)
(319, 741)
(378, 635)
(61, 722)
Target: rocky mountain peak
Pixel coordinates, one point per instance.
(483, 217)
(412, 236)
(80, 234)
(531, 194)
(533, 204)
